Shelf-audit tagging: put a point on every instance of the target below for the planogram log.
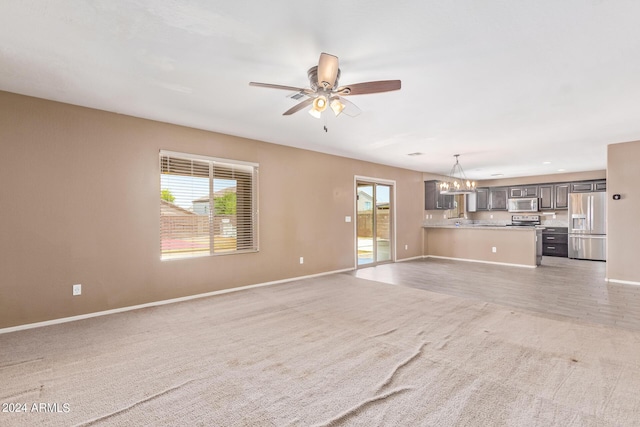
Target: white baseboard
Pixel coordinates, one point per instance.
(481, 261)
(410, 259)
(163, 302)
(623, 282)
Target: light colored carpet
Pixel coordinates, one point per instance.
(335, 350)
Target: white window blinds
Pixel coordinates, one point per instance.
(208, 206)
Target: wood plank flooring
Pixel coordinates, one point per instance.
(560, 287)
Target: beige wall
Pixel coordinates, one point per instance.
(79, 195)
(513, 246)
(623, 231)
(541, 179)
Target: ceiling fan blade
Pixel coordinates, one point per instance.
(327, 70)
(350, 109)
(298, 107)
(369, 87)
(347, 107)
(271, 86)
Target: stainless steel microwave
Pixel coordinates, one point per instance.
(528, 204)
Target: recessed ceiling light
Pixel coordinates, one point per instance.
(415, 154)
(497, 174)
(546, 163)
(561, 170)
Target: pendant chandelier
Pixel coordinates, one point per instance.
(457, 182)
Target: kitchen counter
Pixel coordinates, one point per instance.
(485, 226)
(489, 243)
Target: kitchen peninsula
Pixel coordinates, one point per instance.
(517, 246)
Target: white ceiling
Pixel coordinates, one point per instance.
(508, 85)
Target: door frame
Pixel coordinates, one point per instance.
(392, 240)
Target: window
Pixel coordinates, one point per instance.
(208, 206)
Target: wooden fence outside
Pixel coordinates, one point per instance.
(365, 224)
(180, 226)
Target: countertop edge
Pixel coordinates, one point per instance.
(484, 227)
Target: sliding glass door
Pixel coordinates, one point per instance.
(374, 222)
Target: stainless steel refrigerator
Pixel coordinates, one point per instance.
(588, 226)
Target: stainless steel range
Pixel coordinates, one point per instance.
(530, 221)
(524, 221)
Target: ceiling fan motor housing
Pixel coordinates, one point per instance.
(313, 79)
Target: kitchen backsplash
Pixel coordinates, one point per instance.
(555, 222)
(499, 218)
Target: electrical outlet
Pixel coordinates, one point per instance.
(406, 247)
(77, 290)
(347, 219)
(301, 260)
(494, 249)
(490, 216)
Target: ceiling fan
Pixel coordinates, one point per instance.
(324, 90)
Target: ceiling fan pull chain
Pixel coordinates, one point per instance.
(326, 129)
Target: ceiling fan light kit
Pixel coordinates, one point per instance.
(315, 113)
(324, 89)
(320, 103)
(337, 106)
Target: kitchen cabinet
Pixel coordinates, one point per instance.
(523, 191)
(433, 200)
(498, 198)
(546, 196)
(470, 202)
(555, 241)
(561, 195)
(482, 199)
(445, 201)
(554, 196)
(551, 195)
(588, 186)
(581, 187)
(600, 186)
(487, 199)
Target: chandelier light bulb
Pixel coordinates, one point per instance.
(457, 182)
